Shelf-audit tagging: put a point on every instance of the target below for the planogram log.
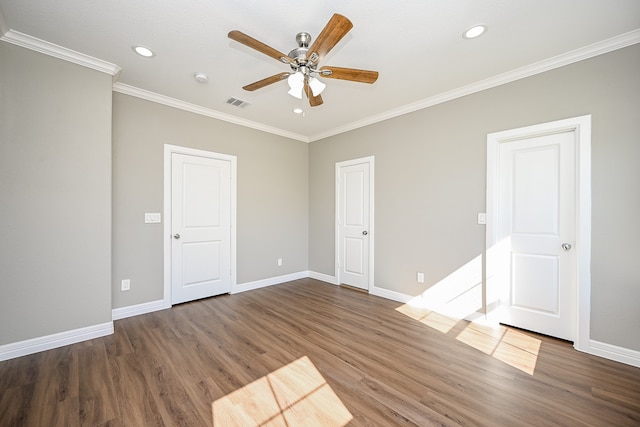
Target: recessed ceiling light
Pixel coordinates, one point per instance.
(298, 110)
(143, 51)
(475, 31)
(201, 77)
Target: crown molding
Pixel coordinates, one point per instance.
(590, 51)
(42, 46)
(197, 109)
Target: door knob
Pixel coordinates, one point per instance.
(364, 233)
(176, 236)
(566, 246)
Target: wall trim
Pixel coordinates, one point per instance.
(257, 284)
(615, 353)
(42, 46)
(29, 42)
(35, 345)
(577, 55)
(323, 277)
(391, 295)
(197, 109)
(48, 342)
(138, 309)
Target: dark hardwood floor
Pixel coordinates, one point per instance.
(309, 353)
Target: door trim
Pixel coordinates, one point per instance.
(168, 151)
(371, 161)
(582, 127)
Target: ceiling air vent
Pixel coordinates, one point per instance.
(237, 102)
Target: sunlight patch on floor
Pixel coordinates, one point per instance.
(294, 395)
(506, 344)
(433, 319)
(459, 296)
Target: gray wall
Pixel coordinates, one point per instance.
(273, 201)
(57, 271)
(431, 173)
(55, 192)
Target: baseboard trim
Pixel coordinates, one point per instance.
(323, 277)
(48, 342)
(136, 310)
(615, 353)
(249, 286)
(392, 295)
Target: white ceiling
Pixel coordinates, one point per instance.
(416, 45)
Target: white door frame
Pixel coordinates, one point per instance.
(582, 128)
(371, 236)
(168, 151)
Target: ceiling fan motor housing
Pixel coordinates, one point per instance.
(299, 54)
(303, 39)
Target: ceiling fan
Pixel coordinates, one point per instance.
(304, 61)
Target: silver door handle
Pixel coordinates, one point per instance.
(566, 246)
(364, 233)
(176, 236)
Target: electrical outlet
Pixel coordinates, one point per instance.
(279, 262)
(125, 285)
(420, 277)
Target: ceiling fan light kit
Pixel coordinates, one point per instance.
(316, 86)
(304, 61)
(296, 84)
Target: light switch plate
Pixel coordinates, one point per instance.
(482, 218)
(152, 218)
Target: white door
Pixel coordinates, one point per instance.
(200, 227)
(354, 211)
(533, 261)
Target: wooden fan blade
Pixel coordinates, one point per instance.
(337, 27)
(246, 40)
(314, 101)
(265, 82)
(352, 74)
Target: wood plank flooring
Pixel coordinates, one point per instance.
(309, 353)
